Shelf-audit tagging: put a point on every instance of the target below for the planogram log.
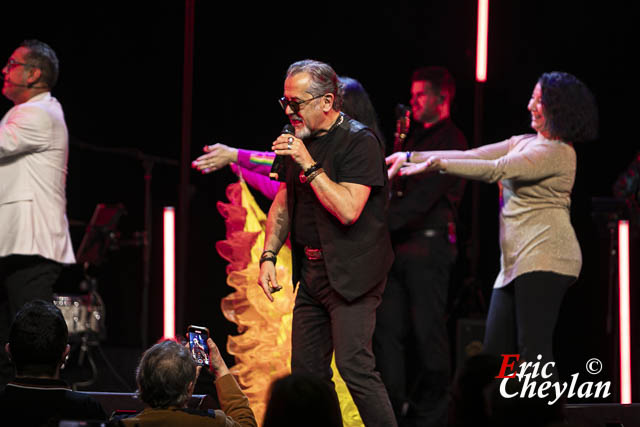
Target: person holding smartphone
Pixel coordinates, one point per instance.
(197, 335)
(166, 378)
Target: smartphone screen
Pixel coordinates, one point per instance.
(198, 346)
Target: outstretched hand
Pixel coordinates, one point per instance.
(396, 160)
(432, 164)
(217, 156)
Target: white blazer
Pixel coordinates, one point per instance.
(34, 147)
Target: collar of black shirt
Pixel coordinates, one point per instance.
(324, 132)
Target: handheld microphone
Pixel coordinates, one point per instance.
(277, 168)
(403, 120)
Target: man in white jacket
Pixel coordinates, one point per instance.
(34, 143)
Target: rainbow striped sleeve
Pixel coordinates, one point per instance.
(259, 158)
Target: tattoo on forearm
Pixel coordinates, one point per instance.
(277, 224)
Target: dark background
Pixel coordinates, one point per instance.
(121, 87)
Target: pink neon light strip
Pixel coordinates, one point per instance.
(625, 314)
(169, 272)
(482, 41)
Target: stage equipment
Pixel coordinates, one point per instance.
(612, 213)
(148, 162)
(85, 313)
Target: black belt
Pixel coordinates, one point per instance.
(313, 254)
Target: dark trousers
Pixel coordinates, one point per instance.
(411, 342)
(23, 278)
(323, 321)
(522, 315)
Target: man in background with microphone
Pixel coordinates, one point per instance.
(34, 231)
(411, 330)
(333, 201)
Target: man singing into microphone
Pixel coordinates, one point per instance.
(333, 201)
(34, 232)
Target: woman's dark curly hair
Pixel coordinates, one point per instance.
(569, 106)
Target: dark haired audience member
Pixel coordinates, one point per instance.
(541, 256)
(38, 347)
(166, 378)
(301, 399)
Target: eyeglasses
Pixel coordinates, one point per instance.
(295, 105)
(13, 63)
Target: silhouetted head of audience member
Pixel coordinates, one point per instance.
(300, 399)
(38, 340)
(166, 375)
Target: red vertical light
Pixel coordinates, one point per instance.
(169, 272)
(482, 41)
(625, 314)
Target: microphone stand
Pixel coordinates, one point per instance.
(148, 161)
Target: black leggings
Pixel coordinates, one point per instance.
(523, 315)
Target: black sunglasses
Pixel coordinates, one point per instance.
(295, 105)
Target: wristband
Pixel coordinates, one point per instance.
(313, 175)
(273, 259)
(311, 169)
(408, 156)
(305, 176)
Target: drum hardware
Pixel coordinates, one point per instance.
(85, 313)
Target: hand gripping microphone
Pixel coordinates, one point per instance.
(277, 168)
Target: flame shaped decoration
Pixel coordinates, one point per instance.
(262, 350)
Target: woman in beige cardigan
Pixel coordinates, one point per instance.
(540, 255)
